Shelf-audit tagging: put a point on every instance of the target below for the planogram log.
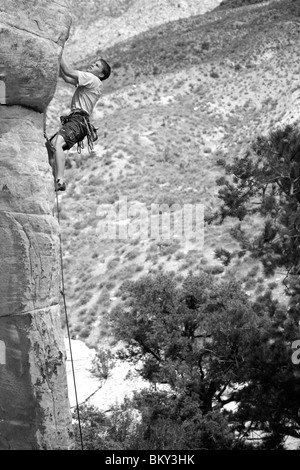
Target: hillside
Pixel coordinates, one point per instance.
(99, 25)
(182, 95)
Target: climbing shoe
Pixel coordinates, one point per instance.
(60, 186)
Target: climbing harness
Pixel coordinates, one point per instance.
(79, 118)
(51, 154)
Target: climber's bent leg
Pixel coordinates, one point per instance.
(59, 158)
(51, 151)
(50, 146)
(72, 131)
(58, 163)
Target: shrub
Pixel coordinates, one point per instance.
(223, 255)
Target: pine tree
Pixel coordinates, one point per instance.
(266, 182)
(209, 345)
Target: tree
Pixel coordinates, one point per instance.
(266, 182)
(209, 345)
(101, 430)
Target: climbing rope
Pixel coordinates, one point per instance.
(62, 292)
(67, 322)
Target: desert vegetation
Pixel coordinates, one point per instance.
(202, 110)
(202, 345)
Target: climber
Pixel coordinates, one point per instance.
(76, 125)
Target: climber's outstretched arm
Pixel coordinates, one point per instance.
(68, 71)
(66, 78)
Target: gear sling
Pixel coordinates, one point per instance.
(77, 119)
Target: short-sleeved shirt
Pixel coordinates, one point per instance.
(87, 93)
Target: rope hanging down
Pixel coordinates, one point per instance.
(50, 148)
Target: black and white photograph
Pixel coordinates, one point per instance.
(150, 228)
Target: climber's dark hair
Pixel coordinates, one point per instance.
(106, 70)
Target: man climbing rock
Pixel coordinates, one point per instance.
(76, 126)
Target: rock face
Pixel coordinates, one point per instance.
(32, 34)
(34, 406)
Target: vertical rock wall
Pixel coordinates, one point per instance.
(34, 406)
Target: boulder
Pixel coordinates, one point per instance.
(31, 38)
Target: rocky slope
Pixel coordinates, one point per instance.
(99, 25)
(182, 95)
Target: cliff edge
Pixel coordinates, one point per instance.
(34, 406)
